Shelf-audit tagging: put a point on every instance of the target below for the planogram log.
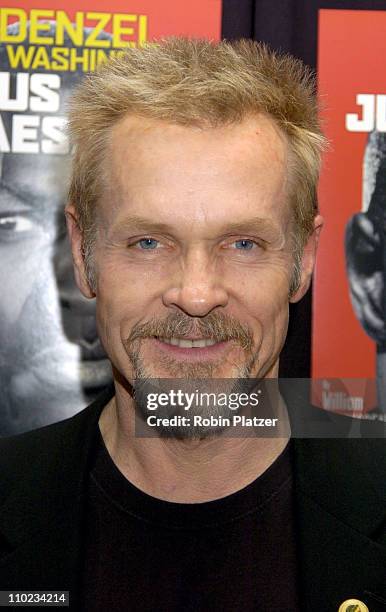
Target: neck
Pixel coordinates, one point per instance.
(186, 471)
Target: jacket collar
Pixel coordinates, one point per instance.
(329, 473)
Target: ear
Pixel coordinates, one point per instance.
(308, 260)
(76, 241)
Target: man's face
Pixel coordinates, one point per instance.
(194, 243)
(44, 369)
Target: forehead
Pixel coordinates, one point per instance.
(209, 172)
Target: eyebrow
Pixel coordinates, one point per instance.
(141, 223)
(254, 224)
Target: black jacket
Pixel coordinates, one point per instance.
(340, 488)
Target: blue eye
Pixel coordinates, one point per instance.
(148, 243)
(245, 245)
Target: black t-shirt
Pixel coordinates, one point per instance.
(149, 555)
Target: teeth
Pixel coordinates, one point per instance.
(188, 343)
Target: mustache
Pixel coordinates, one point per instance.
(217, 326)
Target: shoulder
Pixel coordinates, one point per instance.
(346, 476)
(38, 451)
(23, 448)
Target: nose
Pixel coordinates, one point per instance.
(196, 288)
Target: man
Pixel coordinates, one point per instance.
(193, 222)
(366, 255)
(51, 361)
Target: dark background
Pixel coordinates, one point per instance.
(290, 26)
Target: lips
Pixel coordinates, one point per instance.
(189, 342)
(214, 351)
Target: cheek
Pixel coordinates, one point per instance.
(267, 307)
(121, 301)
(266, 290)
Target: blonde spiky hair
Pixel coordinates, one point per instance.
(197, 82)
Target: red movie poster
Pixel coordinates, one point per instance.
(51, 360)
(349, 339)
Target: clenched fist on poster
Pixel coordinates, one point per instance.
(365, 245)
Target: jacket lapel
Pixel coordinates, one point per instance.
(341, 521)
(41, 523)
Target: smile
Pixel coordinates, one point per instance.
(186, 343)
(192, 350)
